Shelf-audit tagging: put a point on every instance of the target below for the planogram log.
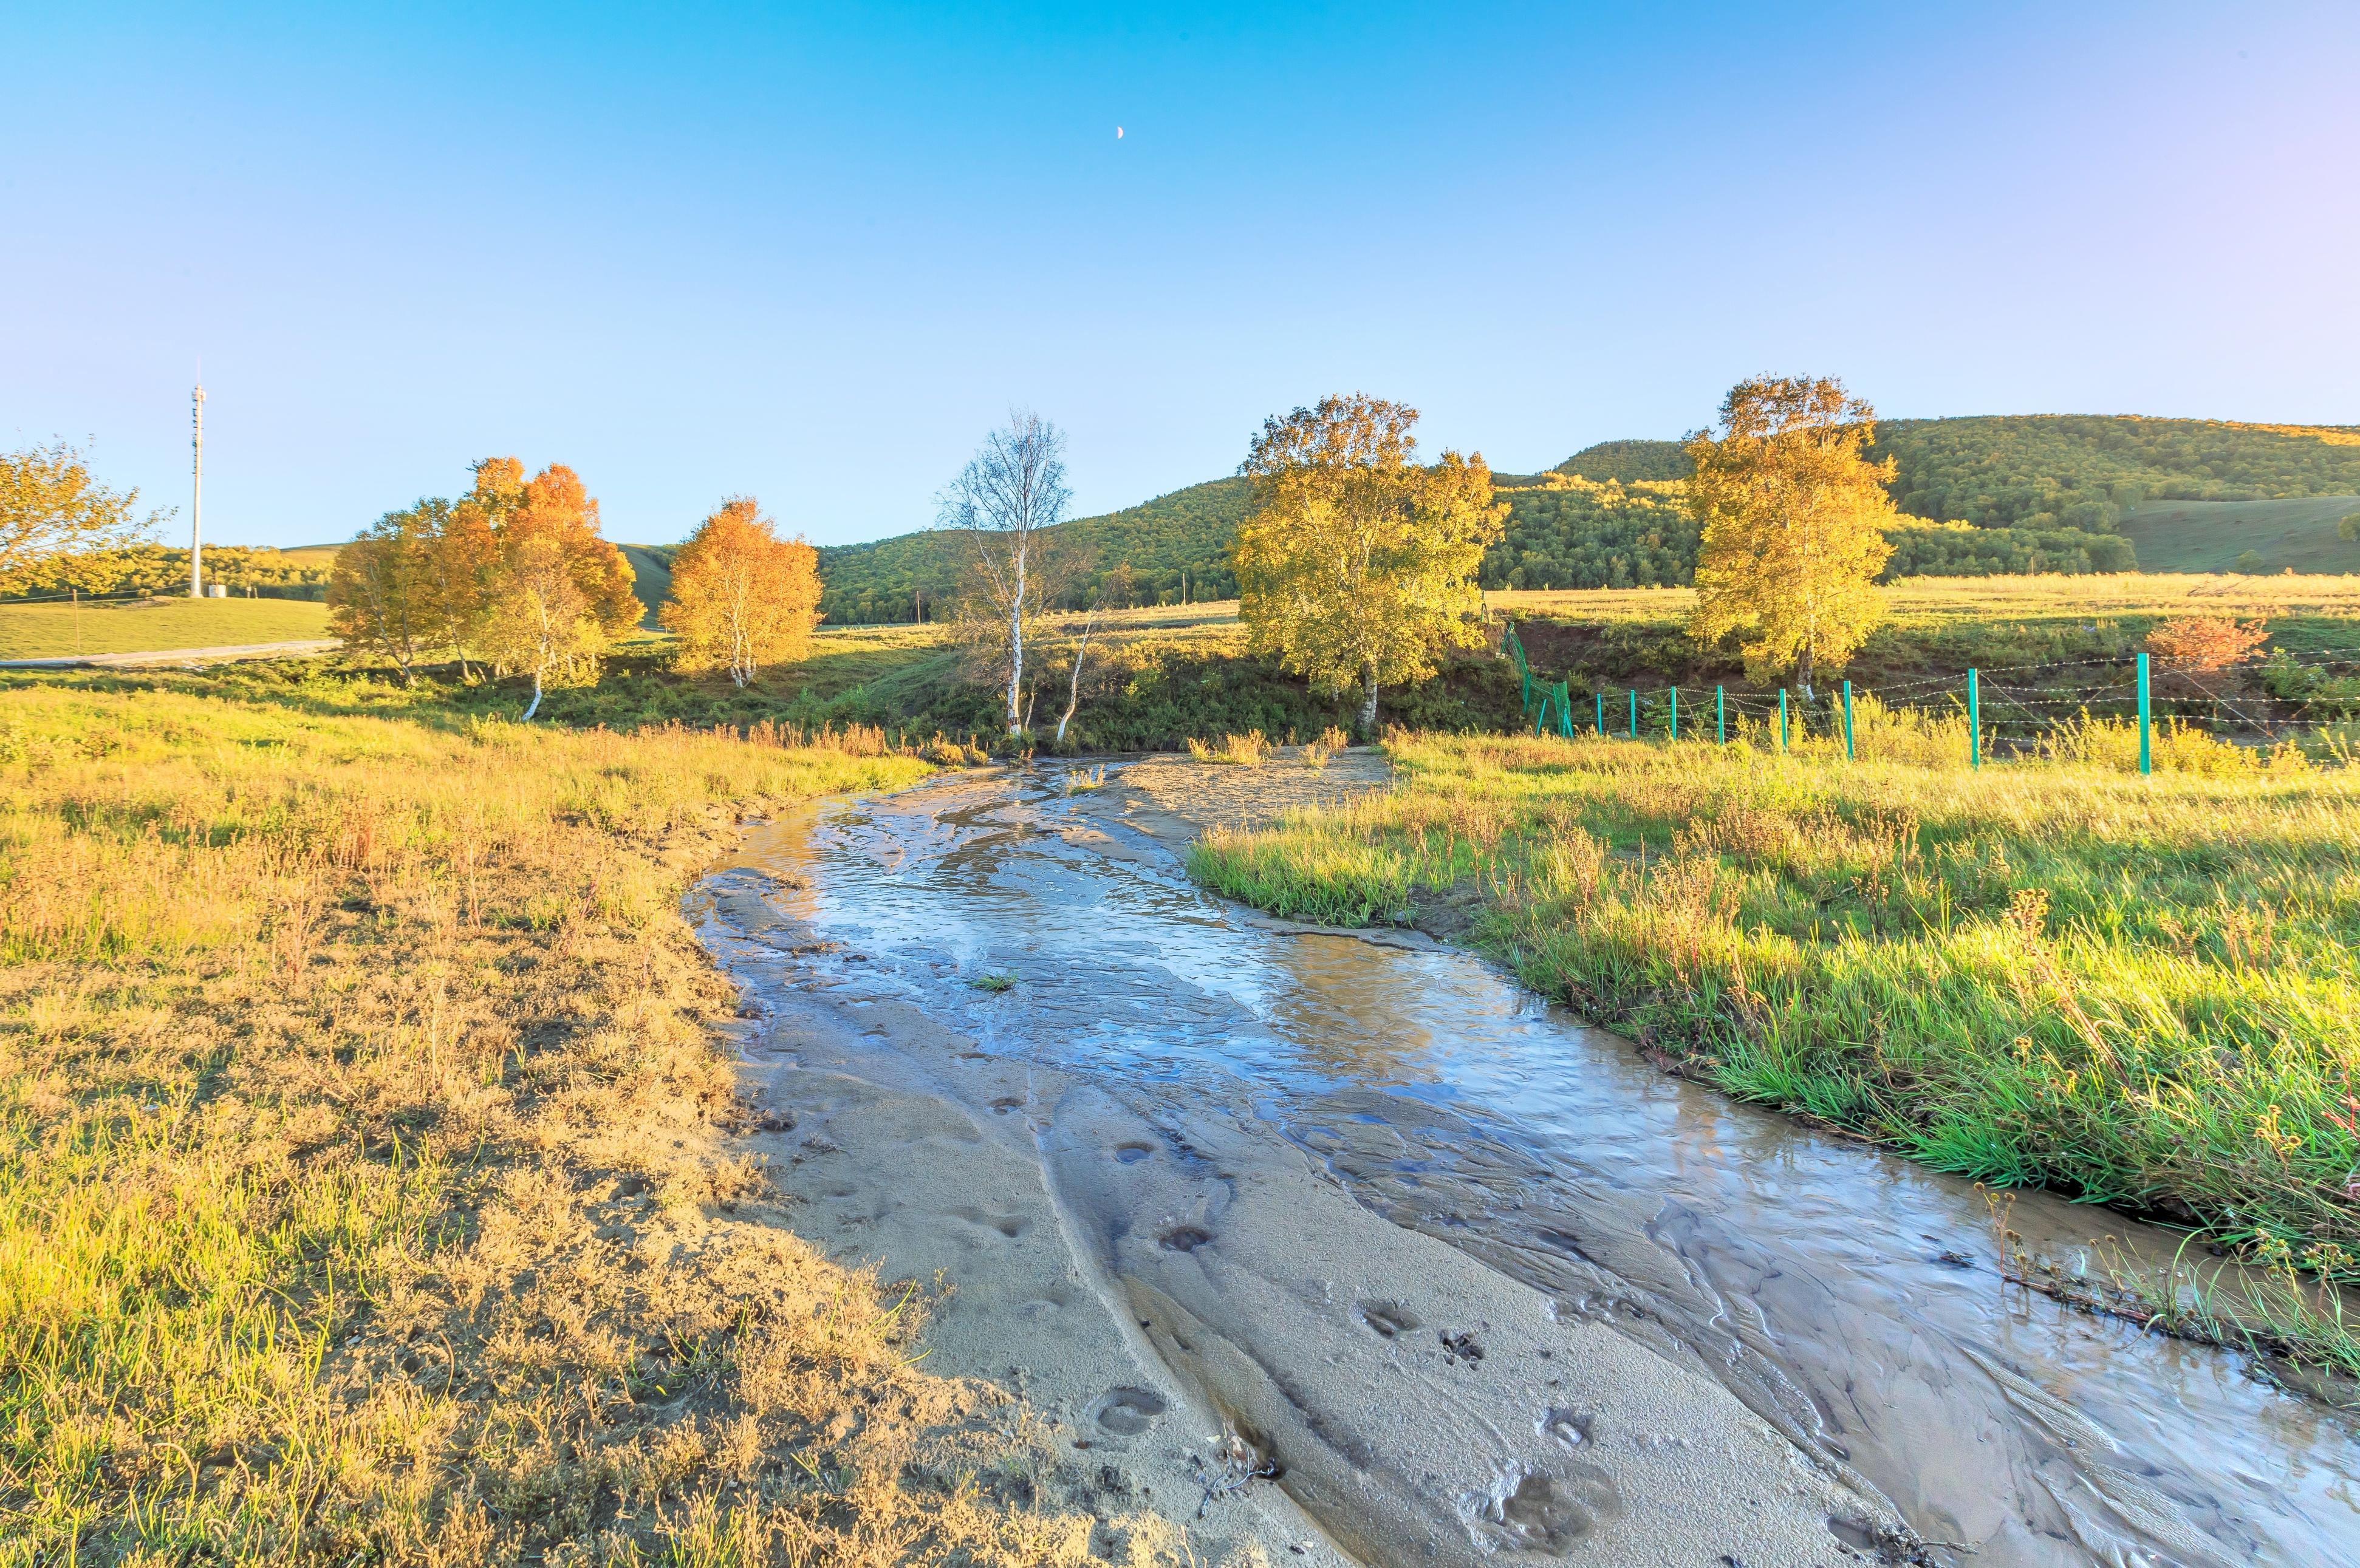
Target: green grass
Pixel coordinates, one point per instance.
(151, 625)
(2136, 990)
(1155, 678)
(363, 1189)
(2295, 535)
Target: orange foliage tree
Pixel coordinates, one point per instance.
(557, 594)
(741, 597)
(2205, 642)
(514, 569)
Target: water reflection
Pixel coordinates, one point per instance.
(1846, 1296)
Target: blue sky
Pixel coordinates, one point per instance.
(813, 254)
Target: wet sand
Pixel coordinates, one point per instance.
(1212, 1325)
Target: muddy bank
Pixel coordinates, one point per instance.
(1353, 1246)
(1211, 1325)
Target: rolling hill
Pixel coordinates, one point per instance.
(1176, 544)
(1989, 494)
(2293, 535)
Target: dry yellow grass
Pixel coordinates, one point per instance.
(365, 1186)
(1987, 598)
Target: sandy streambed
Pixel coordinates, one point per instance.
(1318, 1246)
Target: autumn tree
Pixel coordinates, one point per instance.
(741, 597)
(1357, 565)
(50, 509)
(385, 589)
(1793, 517)
(557, 594)
(2206, 642)
(1009, 494)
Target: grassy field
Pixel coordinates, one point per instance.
(148, 625)
(365, 1195)
(1936, 600)
(1153, 679)
(2057, 972)
(2295, 535)
(2045, 646)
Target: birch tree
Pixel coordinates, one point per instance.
(51, 507)
(384, 592)
(1794, 516)
(557, 594)
(741, 597)
(1357, 565)
(1113, 589)
(1010, 493)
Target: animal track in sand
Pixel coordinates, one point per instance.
(1548, 1512)
(1006, 1104)
(1185, 1238)
(1538, 1514)
(1132, 1153)
(1128, 1413)
(1009, 1226)
(1853, 1534)
(1387, 1319)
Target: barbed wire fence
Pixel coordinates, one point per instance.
(2009, 710)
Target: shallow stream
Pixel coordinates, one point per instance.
(1848, 1297)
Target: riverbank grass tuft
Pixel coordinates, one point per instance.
(2136, 989)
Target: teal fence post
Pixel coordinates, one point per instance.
(1847, 721)
(1564, 710)
(1675, 712)
(2147, 752)
(1974, 722)
(1781, 718)
(1601, 696)
(1635, 713)
(1720, 714)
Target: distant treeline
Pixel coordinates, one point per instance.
(2038, 491)
(141, 570)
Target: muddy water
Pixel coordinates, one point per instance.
(1847, 1298)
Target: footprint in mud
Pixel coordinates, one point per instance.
(1128, 1413)
(1185, 1238)
(1009, 1226)
(1568, 1427)
(1386, 1319)
(1853, 1534)
(1132, 1153)
(1550, 1513)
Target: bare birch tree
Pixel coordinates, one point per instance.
(1011, 490)
(1114, 588)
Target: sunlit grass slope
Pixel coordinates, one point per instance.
(2138, 990)
(361, 1195)
(149, 626)
(2298, 535)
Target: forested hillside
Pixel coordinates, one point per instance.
(1569, 532)
(2086, 471)
(1628, 462)
(2042, 492)
(1176, 544)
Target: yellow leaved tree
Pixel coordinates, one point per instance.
(1357, 565)
(1794, 516)
(741, 597)
(556, 594)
